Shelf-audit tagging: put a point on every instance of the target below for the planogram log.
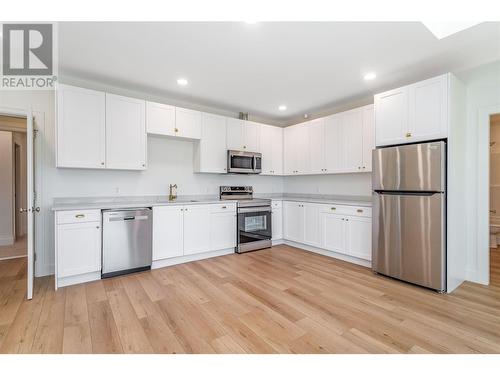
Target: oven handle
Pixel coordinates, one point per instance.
(243, 210)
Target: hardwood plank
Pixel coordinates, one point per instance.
(103, 331)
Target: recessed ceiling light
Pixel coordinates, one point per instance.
(443, 29)
(282, 107)
(182, 82)
(370, 76)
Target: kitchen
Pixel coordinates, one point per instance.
(151, 200)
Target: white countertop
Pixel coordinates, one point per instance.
(105, 203)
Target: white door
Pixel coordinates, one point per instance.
(293, 221)
(212, 148)
(252, 136)
(81, 131)
(333, 144)
(196, 229)
(391, 117)
(168, 232)
(78, 248)
(312, 224)
(277, 150)
(428, 109)
(277, 223)
(222, 230)
(125, 132)
(160, 119)
(267, 144)
(31, 202)
(317, 146)
(352, 141)
(359, 237)
(187, 123)
(333, 232)
(368, 137)
(235, 134)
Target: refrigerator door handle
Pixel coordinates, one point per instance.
(415, 193)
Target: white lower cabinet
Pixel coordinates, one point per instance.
(312, 235)
(277, 223)
(78, 246)
(359, 237)
(293, 221)
(193, 229)
(332, 228)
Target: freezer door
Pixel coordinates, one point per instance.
(409, 238)
(419, 167)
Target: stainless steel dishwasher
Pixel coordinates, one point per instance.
(126, 241)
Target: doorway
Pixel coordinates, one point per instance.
(494, 195)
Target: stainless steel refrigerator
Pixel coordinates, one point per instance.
(409, 213)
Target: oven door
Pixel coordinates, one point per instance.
(254, 228)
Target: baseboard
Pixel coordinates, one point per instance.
(6, 240)
(331, 254)
(190, 258)
(78, 279)
(279, 241)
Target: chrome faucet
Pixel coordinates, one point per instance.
(173, 192)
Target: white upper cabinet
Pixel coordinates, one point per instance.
(333, 144)
(243, 135)
(271, 147)
(211, 152)
(160, 119)
(81, 128)
(352, 140)
(317, 146)
(303, 160)
(413, 113)
(428, 109)
(236, 134)
(187, 123)
(125, 132)
(368, 137)
(290, 146)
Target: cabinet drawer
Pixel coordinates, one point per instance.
(82, 216)
(222, 207)
(347, 210)
(276, 205)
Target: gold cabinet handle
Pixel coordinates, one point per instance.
(359, 210)
(223, 207)
(408, 135)
(176, 130)
(333, 208)
(80, 216)
(244, 146)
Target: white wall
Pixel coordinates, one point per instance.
(6, 225)
(483, 91)
(340, 184)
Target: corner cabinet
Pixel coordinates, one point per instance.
(271, 147)
(210, 153)
(413, 113)
(81, 128)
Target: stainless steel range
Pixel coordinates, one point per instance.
(254, 218)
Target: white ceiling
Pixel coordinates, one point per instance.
(256, 67)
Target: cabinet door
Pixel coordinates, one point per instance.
(78, 248)
(277, 150)
(391, 117)
(235, 134)
(359, 237)
(187, 123)
(302, 142)
(196, 229)
(293, 221)
(333, 232)
(368, 137)
(290, 150)
(125, 132)
(81, 131)
(168, 232)
(211, 152)
(277, 223)
(352, 140)
(333, 144)
(316, 146)
(312, 224)
(428, 110)
(266, 148)
(160, 119)
(252, 137)
(222, 230)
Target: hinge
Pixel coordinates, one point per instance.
(35, 256)
(35, 133)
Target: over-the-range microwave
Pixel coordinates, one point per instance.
(244, 162)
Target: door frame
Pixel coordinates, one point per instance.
(483, 194)
(30, 256)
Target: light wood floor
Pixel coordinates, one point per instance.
(16, 250)
(280, 300)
